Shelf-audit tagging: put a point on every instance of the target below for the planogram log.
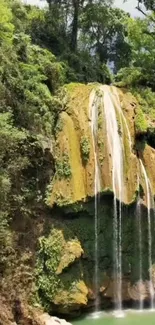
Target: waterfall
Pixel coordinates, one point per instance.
(148, 197)
(139, 217)
(93, 113)
(117, 129)
(118, 104)
(116, 152)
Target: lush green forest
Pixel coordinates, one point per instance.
(41, 50)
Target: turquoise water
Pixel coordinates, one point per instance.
(127, 318)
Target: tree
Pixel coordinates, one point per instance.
(29, 77)
(103, 30)
(149, 4)
(49, 28)
(6, 26)
(142, 66)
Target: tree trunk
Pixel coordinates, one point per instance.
(75, 25)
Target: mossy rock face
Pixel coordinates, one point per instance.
(148, 157)
(75, 297)
(146, 100)
(75, 145)
(66, 257)
(71, 251)
(65, 266)
(59, 275)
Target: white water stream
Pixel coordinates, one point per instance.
(122, 115)
(93, 113)
(116, 152)
(148, 197)
(140, 284)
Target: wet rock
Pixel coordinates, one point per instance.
(46, 319)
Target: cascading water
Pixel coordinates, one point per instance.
(116, 152)
(122, 115)
(148, 196)
(140, 285)
(93, 113)
(115, 135)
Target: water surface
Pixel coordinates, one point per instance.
(128, 318)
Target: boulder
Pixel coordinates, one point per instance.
(46, 319)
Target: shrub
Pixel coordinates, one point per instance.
(85, 149)
(140, 121)
(63, 167)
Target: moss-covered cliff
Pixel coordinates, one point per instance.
(74, 153)
(72, 190)
(54, 254)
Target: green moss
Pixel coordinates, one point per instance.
(146, 100)
(48, 258)
(48, 192)
(100, 116)
(100, 122)
(85, 148)
(55, 252)
(72, 86)
(63, 167)
(119, 123)
(100, 143)
(62, 200)
(99, 92)
(72, 251)
(141, 124)
(101, 159)
(75, 207)
(59, 126)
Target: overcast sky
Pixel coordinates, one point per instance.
(128, 6)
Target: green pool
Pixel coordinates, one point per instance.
(128, 318)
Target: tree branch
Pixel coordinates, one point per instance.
(139, 9)
(144, 13)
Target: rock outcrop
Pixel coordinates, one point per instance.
(61, 258)
(46, 319)
(72, 189)
(74, 153)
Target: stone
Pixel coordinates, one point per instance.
(52, 320)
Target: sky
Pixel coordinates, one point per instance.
(128, 6)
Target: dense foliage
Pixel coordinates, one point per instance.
(29, 76)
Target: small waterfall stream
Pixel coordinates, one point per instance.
(140, 284)
(116, 152)
(118, 104)
(93, 113)
(148, 197)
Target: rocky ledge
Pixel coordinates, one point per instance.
(46, 319)
(23, 314)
